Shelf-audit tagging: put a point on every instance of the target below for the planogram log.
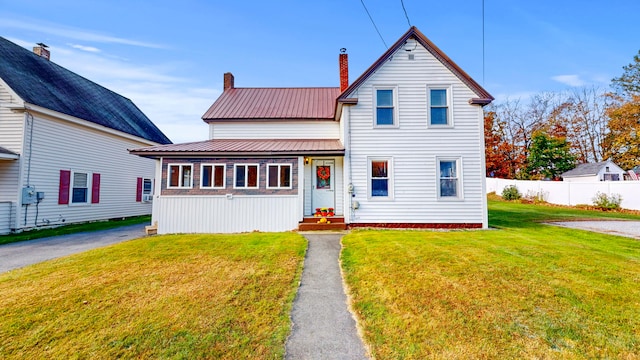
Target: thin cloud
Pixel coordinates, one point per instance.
(72, 33)
(571, 80)
(85, 48)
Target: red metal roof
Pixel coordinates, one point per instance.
(235, 147)
(274, 103)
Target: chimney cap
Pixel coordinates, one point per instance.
(343, 50)
(42, 45)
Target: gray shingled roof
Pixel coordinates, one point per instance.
(43, 83)
(589, 169)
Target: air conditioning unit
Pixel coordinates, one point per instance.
(147, 197)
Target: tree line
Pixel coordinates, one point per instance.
(555, 131)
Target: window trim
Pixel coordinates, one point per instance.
(449, 89)
(246, 166)
(150, 192)
(89, 187)
(279, 186)
(180, 175)
(213, 166)
(459, 186)
(394, 97)
(390, 182)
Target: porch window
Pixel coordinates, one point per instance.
(180, 176)
(212, 176)
(380, 181)
(246, 176)
(279, 176)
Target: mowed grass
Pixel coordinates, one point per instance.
(523, 291)
(176, 296)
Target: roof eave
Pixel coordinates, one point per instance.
(158, 154)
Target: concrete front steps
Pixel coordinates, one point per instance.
(311, 224)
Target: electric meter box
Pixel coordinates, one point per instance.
(29, 195)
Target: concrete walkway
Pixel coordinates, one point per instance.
(20, 254)
(323, 327)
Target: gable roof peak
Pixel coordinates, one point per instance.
(484, 98)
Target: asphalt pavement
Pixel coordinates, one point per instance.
(20, 254)
(612, 227)
(323, 327)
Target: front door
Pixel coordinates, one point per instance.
(323, 184)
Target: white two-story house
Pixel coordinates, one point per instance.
(63, 146)
(402, 146)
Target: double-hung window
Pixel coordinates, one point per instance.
(212, 176)
(246, 176)
(279, 176)
(385, 113)
(449, 178)
(80, 188)
(380, 181)
(180, 176)
(439, 106)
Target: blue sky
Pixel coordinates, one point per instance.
(169, 56)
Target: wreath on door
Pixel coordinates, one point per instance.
(323, 172)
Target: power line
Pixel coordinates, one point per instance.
(374, 24)
(405, 12)
(482, 42)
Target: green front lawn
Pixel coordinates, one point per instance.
(173, 296)
(524, 290)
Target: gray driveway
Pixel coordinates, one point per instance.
(612, 227)
(20, 254)
(323, 327)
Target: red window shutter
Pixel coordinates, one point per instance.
(63, 189)
(95, 189)
(139, 190)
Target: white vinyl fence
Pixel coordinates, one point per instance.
(572, 193)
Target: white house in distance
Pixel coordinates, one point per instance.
(401, 147)
(593, 172)
(63, 146)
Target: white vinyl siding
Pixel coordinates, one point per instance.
(11, 138)
(311, 129)
(219, 214)
(414, 145)
(91, 151)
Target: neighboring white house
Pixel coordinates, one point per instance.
(402, 146)
(592, 172)
(64, 144)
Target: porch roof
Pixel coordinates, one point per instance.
(244, 147)
(8, 154)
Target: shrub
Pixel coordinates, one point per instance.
(536, 197)
(607, 202)
(511, 193)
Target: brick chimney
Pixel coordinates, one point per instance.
(41, 50)
(343, 60)
(228, 81)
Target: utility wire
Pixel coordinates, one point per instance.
(482, 42)
(374, 24)
(405, 12)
